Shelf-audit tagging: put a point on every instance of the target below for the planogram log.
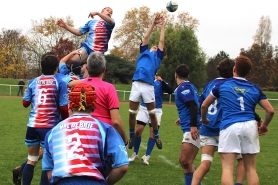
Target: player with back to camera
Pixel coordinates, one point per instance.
(238, 99)
(209, 133)
(99, 33)
(107, 103)
(49, 99)
(187, 102)
(79, 149)
(147, 65)
(143, 118)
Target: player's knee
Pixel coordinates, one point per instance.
(33, 158)
(132, 112)
(185, 165)
(151, 112)
(206, 157)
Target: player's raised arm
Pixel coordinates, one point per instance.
(64, 25)
(105, 14)
(162, 34)
(150, 29)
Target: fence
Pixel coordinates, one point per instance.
(12, 90)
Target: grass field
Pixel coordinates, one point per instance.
(164, 167)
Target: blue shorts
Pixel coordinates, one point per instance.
(86, 49)
(35, 136)
(80, 180)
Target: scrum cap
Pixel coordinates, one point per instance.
(82, 96)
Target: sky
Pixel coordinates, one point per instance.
(225, 25)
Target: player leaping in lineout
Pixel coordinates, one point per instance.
(147, 65)
(99, 33)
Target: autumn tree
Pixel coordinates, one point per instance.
(45, 35)
(134, 25)
(12, 51)
(119, 70)
(212, 63)
(63, 47)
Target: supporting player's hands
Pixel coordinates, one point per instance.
(177, 122)
(194, 133)
(205, 121)
(61, 23)
(92, 14)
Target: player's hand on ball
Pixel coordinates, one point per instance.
(157, 19)
(162, 21)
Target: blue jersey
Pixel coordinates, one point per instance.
(158, 92)
(185, 92)
(82, 146)
(65, 78)
(147, 64)
(46, 94)
(214, 111)
(99, 34)
(237, 98)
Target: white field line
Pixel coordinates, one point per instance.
(162, 157)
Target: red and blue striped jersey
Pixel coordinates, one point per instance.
(46, 94)
(82, 146)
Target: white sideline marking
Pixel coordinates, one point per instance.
(162, 157)
(167, 161)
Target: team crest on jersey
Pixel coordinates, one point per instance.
(185, 92)
(240, 90)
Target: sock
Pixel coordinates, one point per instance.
(238, 183)
(155, 132)
(151, 143)
(131, 133)
(137, 143)
(27, 174)
(23, 165)
(44, 178)
(188, 178)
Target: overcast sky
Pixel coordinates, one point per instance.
(226, 25)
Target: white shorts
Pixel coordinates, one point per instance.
(143, 115)
(241, 138)
(188, 139)
(209, 140)
(141, 90)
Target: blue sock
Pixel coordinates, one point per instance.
(44, 178)
(27, 174)
(137, 143)
(155, 132)
(131, 133)
(151, 143)
(23, 165)
(238, 183)
(188, 178)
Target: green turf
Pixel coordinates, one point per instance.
(164, 166)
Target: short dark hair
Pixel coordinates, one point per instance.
(96, 63)
(243, 66)
(182, 71)
(49, 64)
(225, 68)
